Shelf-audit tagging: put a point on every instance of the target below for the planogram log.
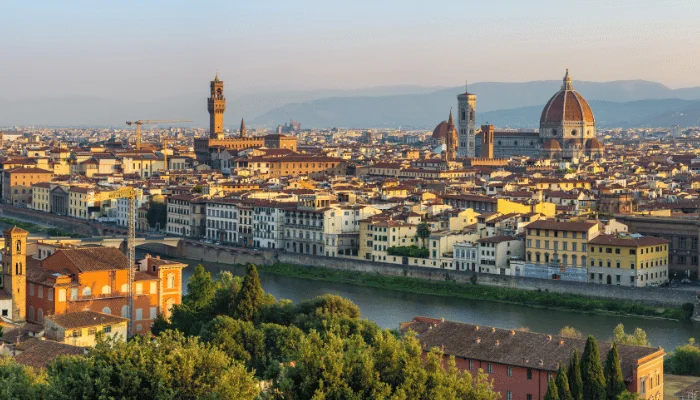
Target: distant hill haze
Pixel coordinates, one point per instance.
(517, 105)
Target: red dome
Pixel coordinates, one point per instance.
(567, 105)
(552, 144)
(594, 144)
(440, 131)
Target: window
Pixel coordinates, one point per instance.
(154, 312)
(106, 310)
(31, 288)
(125, 311)
(49, 293)
(77, 333)
(171, 281)
(62, 295)
(139, 314)
(107, 329)
(139, 288)
(92, 331)
(510, 371)
(529, 373)
(154, 288)
(41, 292)
(106, 289)
(74, 294)
(87, 291)
(509, 395)
(471, 364)
(489, 368)
(529, 397)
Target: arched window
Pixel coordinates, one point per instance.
(19, 246)
(87, 291)
(106, 289)
(125, 311)
(171, 281)
(106, 310)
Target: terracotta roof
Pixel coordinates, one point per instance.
(83, 319)
(567, 105)
(516, 348)
(16, 229)
(561, 226)
(39, 353)
(627, 240)
(86, 259)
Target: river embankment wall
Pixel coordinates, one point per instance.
(196, 251)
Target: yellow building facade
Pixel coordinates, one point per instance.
(628, 260)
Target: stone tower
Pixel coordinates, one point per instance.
(243, 129)
(14, 271)
(216, 104)
(466, 117)
(487, 135)
(451, 139)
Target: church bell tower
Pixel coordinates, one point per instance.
(466, 117)
(14, 271)
(216, 104)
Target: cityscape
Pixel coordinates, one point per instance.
(526, 235)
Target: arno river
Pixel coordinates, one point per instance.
(388, 308)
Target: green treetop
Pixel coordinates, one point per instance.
(592, 372)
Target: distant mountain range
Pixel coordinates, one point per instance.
(615, 104)
(619, 103)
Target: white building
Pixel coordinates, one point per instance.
(268, 222)
(123, 207)
(222, 221)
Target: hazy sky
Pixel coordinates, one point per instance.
(149, 49)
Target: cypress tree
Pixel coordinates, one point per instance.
(563, 385)
(614, 382)
(592, 372)
(574, 377)
(250, 297)
(551, 391)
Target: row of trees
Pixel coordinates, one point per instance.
(588, 379)
(320, 348)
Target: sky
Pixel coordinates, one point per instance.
(161, 48)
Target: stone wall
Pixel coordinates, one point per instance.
(648, 296)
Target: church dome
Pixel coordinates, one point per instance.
(594, 144)
(567, 105)
(552, 145)
(440, 131)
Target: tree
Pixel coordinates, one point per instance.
(251, 296)
(571, 332)
(614, 381)
(638, 338)
(169, 366)
(197, 189)
(562, 382)
(200, 289)
(423, 232)
(628, 396)
(18, 381)
(574, 377)
(157, 214)
(552, 393)
(592, 372)
(394, 367)
(685, 360)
